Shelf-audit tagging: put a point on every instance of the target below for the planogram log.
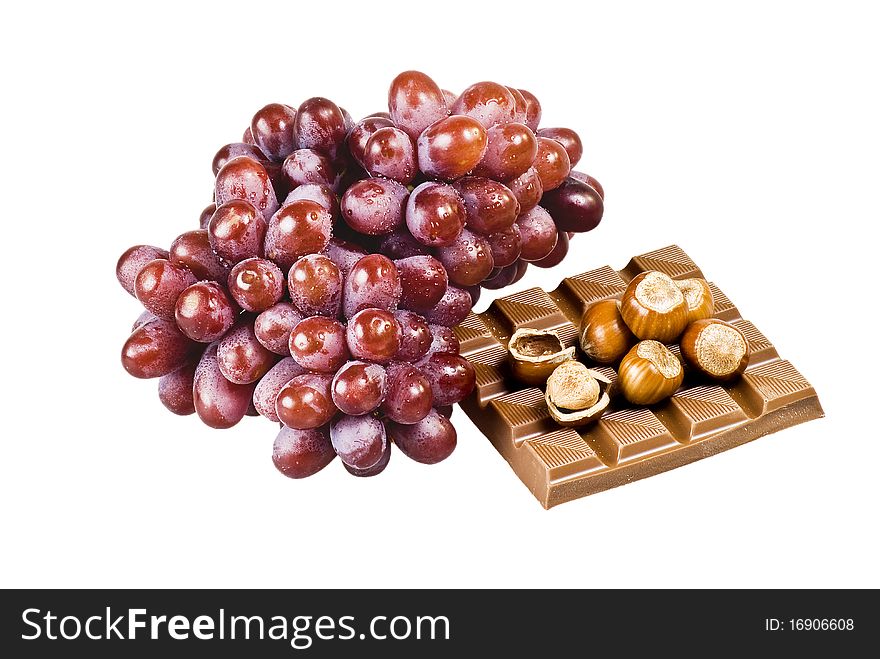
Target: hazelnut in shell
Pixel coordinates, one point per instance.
(576, 395)
(649, 373)
(535, 354)
(698, 297)
(716, 349)
(604, 337)
(653, 307)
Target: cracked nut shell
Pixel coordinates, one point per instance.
(535, 354)
(576, 395)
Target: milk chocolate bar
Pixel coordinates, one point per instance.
(628, 442)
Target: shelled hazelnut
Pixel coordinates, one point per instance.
(576, 395)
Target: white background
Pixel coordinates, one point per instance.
(749, 136)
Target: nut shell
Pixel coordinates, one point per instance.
(604, 337)
(654, 308)
(698, 297)
(715, 349)
(649, 373)
(535, 354)
(560, 383)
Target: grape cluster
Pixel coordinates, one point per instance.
(322, 285)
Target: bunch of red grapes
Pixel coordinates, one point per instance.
(322, 286)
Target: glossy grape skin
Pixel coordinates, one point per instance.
(415, 336)
(575, 206)
(376, 469)
(320, 125)
(360, 134)
(506, 246)
(309, 166)
(468, 260)
(551, 163)
(390, 153)
(315, 285)
(176, 390)
(373, 282)
(490, 206)
(452, 377)
(533, 110)
(219, 403)
(206, 215)
(256, 284)
(302, 453)
(319, 344)
(156, 348)
(504, 277)
(241, 358)
(245, 178)
(247, 137)
(527, 189)
(359, 441)
(487, 102)
(374, 206)
(452, 308)
(415, 102)
(451, 147)
(144, 318)
(192, 250)
(429, 441)
(521, 107)
(521, 268)
(205, 312)
(267, 389)
(443, 339)
(435, 214)
(234, 150)
(557, 255)
(423, 282)
(358, 387)
(159, 283)
(305, 402)
(272, 130)
(373, 335)
(344, 254)
(400, 244)
(298, 228)
(538, 233)
(319, 192)
(510, 151)
(236, 231)
(408, 396)
(133, 260)
(589, 180)
(569, 140)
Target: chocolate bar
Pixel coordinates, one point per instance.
(628, 442)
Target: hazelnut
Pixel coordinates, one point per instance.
(604, 337)
(715, 348)
(649, 373)
(698, 297)
(534, 354)
(654, 307)
(576, 395)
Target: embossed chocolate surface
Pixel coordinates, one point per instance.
(628, 442)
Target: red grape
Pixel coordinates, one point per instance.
(429, 441)
(527, 189)
(373, 335)
(533, 110)
(319, 344)
(315, 285)
(272, 130)
(400, 244)
(143, 319)
(487, 102)
(358, 387)
(373, 282)
(344, 254)
(305, 402)
(237, 231)
(376, 469)
(559, 252)
(192, 250)
(521, 106)
(574, 206)
(490, 205)
(256, 284)
(415, 102)
(320, 125)
(468, 260)
(423, 282)
(374, 206)
(176, 390)
(359, 441)
(589, 180)
(267, 389)
(156, 348)
(451, 147)
(302, 453)
(218, 402)
(538, 233)
(318, 192)
(390, 153)
(451, 376)
(245, 178)
(207, 214)
(234, 150)
(308, 166)
(408, 396)
(204, 312)
(158, 285)
(551, 163)
(510, 151)
(569, 140)
(443, 339)
(361, 133)
(452, 308)
(133, 260)
(506, 246)
(415, 336)
(504, 277)
(299, 228)
(435, 214)
(241, 358)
